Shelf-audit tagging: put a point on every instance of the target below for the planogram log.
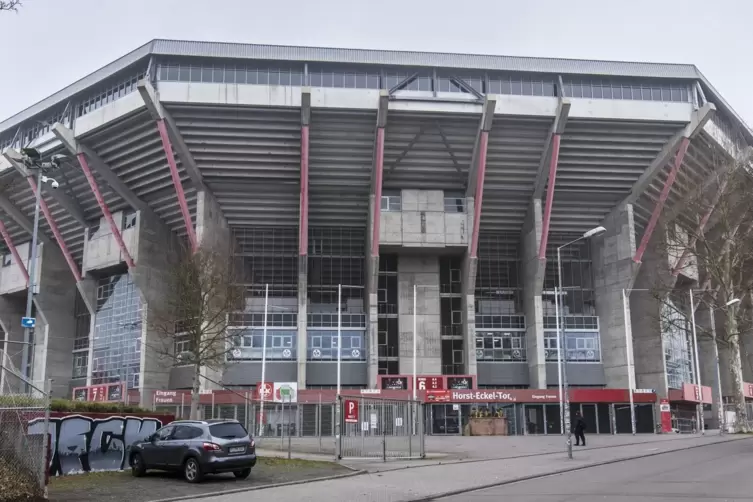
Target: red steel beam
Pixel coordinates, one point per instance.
(662, 200)
(105, 210)
(699, 230)
(55, 231)
(168, 148)
(379, 167)
(303, 223)
(547, 217)
(13, 250)
(479, 195)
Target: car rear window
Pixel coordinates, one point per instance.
(228, 431)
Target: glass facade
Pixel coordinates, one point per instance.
(322, 345)
(501, 346)
(117, 332)
(249, 344)
(678, 355)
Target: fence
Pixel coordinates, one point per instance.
(23, 456)
(730, 417)
(380, 428)
(395, 428)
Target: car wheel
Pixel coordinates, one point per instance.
(138, 468)
(192, 471)
(242, 474)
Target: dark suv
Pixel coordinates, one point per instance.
(196, 448)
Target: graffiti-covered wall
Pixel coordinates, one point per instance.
(94, 442)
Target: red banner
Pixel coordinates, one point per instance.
(691, 393)
(109, 392)
(748, 390)
(537, 396)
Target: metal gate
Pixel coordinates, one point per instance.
(371, 427)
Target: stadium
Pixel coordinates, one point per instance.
(419, 198)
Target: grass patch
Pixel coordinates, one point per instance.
(84, 480)
(293, 463)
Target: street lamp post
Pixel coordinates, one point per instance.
(560, 337)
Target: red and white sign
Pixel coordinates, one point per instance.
(351, 411)
(264, 391)
(748, 390)
(429, 383)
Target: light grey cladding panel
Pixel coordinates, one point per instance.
(250, 373)
(181, 377)
(502, 373)
(577, 374)
(325, 373)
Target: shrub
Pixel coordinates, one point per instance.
(67, 405)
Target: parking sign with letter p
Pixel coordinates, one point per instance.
(351, 411)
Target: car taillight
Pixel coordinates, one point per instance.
(253, 443)
(211, 447)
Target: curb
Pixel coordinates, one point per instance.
(566, 470)
(257, 488)
(529, 455)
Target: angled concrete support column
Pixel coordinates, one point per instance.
(614, 271)
(303, 240)
(56, 324)
(533, 283)
(372, 248)
(158, 251)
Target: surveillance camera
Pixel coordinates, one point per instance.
(54, 184)
(57, 159)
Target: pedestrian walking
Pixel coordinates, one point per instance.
(579, 427)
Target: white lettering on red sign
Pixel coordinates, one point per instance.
(481, 395)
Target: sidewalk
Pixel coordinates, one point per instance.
(454, 449)
(411, 484)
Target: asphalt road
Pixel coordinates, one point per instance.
(718, 472)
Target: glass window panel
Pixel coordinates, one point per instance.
(195, 74)
(262, 77)
(274, 77)
(230, 75)
(495, 87)
(338, 80)
(349, 81)
(373, 81)
(527, 88)
(517, 87)
(218, 75)
(548, 89)
(296, 78)
(316, 79)
(327, 79)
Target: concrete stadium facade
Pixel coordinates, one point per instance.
(454, 176)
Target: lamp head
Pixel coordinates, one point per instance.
(733, 301)
(594, 231)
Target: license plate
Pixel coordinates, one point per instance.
(238, 449)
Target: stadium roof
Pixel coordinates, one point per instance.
(161, 47)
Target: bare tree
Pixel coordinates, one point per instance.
(194, 319)
(10, 5)
(711, 237)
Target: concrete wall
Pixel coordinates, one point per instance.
(12, 279)
(614, 271)
(101, 250)
(158, 251)
(533, 283)
(422, 222)
(422, 271)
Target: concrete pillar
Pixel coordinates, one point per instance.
(302, 348)
(56, 324)
(423, 271)
(469, 313)
(12, 307)
(614, 270)
(212, 234)
(533, 284)
(159, 251)
(371, 298)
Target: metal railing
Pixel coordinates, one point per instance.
(380, 428)
(24, 438)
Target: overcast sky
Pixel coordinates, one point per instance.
(51, 43)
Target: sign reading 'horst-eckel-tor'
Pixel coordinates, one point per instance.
(534, 396)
